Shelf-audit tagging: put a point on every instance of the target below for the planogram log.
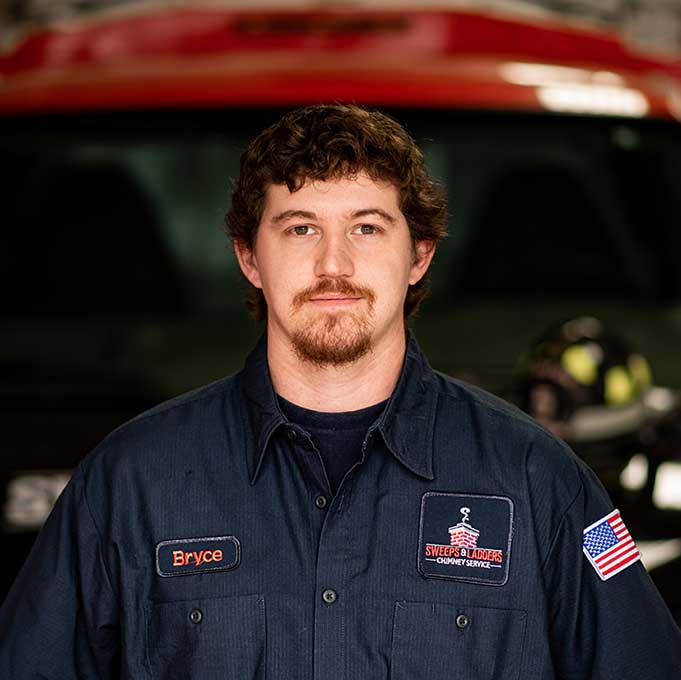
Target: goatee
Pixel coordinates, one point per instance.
(334, 338)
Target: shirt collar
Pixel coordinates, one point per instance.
(406, 424)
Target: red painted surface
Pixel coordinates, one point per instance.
(213, 57)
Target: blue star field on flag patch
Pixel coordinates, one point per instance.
(600, 539)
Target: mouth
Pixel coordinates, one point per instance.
(334, 296)
(334, 300)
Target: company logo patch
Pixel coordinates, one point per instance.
(184, 556)
(466, 537)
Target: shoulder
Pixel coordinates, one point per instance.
(504, 435)
(187, 404)
(457, 390)
(488, 411)
(172, 431)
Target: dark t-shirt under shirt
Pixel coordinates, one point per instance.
(337, 436)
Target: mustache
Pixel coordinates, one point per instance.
(339, 286)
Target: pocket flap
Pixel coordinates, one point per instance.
(218, 638)
(446, 640)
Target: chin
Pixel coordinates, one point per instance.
(336, 340)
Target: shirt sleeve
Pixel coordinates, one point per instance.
(606, 629)
(60, 619)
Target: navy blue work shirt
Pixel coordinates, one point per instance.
(200, 540)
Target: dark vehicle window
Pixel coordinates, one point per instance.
(121, 216)
(569, 205)
(562, 206)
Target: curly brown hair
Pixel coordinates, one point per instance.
(329, 142)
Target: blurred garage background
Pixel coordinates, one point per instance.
(555, 126)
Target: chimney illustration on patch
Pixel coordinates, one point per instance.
(463, 534)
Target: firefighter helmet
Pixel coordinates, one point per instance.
(584, 383)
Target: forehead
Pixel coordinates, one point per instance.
(333, 197)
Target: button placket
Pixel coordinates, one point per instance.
(330, 615)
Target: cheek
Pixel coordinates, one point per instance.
(277, 293)
(281, 284)
(399, 271)
(275, 271)
(390, 282)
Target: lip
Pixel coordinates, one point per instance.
(326, 301)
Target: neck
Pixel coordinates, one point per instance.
(335, 389)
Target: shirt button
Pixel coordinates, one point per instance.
(329, 596)
(462, 621)
(292, 435)
(320, 502)
(196, 616)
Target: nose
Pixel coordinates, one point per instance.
(334, 258)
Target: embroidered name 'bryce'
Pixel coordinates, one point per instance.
(187, 556)
(181, 558)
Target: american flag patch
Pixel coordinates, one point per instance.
(609, 546)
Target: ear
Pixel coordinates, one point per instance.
(247, 261)
(423, 255)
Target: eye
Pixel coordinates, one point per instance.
(301, 230)
(366, 229)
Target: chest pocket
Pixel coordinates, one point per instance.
(444, 640)
(208, 639)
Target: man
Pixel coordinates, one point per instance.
(337, 509)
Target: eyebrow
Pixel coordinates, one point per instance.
(375, 211)
(291, 214)
(306, 215)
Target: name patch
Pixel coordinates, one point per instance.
(465, 537)
(184, 556)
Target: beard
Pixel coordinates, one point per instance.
(333, 338)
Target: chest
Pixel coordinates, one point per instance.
(390, 559)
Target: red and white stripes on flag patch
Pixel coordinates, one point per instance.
(608, 546)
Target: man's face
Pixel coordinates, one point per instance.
(334, 260)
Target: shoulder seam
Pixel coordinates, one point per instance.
(518, 415)
(554, 540)
(210, 390)
(109, 579)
